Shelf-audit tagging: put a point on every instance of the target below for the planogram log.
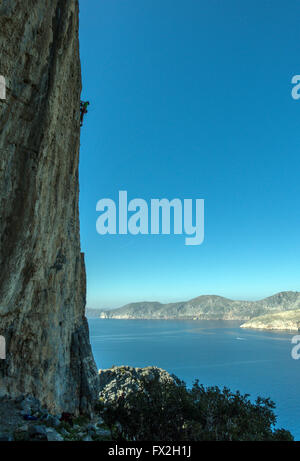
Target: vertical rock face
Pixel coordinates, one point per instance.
(42, 276)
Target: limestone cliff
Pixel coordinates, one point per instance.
(42, 277)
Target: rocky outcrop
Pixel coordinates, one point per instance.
(208, 307)
(122, 380)
(289, 320)
(24, 419)
(42, 277)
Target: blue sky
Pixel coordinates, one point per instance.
(192, 99)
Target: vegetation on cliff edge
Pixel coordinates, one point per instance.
(170, 411)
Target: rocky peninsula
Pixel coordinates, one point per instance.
(288, 320)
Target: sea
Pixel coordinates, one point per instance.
(219, 353)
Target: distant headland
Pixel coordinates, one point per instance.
(257, 314)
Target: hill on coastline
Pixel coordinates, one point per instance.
(287, 320)
(206, 307)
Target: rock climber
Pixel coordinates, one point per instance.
(83, 110)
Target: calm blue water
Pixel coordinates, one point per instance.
(218, 353)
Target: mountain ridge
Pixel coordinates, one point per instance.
(206, 307)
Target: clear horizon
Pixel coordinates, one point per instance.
(192, 101)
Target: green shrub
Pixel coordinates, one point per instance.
(168, 411)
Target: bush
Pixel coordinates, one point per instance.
(168, 411)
